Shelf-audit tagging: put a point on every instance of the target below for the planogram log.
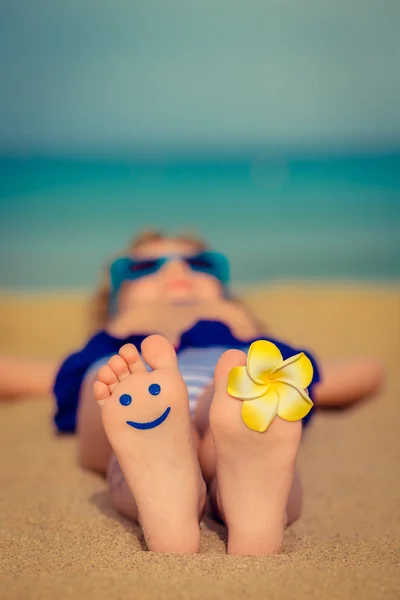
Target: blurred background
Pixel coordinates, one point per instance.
(271, 127)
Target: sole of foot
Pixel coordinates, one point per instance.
(255, 471)
(146, 419)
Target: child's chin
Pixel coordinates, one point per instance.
(182, 299)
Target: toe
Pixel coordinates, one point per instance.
(158, 352)
(229, 359)
(131, 356)
(119, 366)
(108, 376)
(101, 391)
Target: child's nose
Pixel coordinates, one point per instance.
(176, 268)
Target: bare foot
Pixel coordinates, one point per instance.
(146, 419)
(255, 471)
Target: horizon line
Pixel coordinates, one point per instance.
(190, 154)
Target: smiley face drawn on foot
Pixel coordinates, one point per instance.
(154, 390)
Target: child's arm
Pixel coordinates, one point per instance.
(346, 382)
(26, 376)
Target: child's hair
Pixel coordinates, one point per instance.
(101, 300)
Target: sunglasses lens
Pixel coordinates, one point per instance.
(143, 266)
(201, 262)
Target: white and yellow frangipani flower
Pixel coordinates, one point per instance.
(271, 386)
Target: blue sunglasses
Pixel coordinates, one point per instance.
(130, 269)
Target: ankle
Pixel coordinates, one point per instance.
(255, 543)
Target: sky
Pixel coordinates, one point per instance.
(102, 77)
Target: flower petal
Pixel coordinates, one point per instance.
(294, 403)
(263, 356)
(297, 369)
(241, 386)
(258, 414)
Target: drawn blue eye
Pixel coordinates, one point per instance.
(154, 389)
(125, 399)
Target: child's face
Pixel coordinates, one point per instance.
(175, 282)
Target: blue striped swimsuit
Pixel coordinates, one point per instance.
(197, 369)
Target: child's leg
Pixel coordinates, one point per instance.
(346, 382)
(255, 487)
(146, 419)
(38, 376)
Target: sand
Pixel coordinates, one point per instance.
(60, 538)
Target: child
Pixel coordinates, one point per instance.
(165, 435)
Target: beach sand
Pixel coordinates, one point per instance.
(61, 539)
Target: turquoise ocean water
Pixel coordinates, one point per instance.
(60, 219)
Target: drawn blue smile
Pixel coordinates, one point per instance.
(150, 424)
(154, 390)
